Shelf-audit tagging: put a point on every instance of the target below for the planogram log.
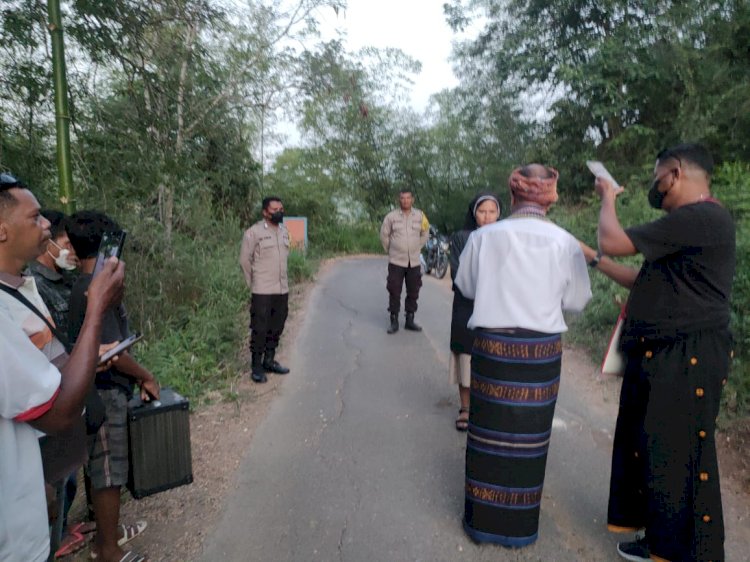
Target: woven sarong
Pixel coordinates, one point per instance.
(514, 384)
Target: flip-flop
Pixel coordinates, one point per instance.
(71, 542)
(129, 532)
(84, 527)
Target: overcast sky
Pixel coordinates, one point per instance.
(417, 27)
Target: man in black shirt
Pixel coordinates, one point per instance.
(107, 467)
(678, 347)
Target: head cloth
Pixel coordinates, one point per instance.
(542, 191)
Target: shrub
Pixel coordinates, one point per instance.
(347, 238)
(188, 301)
(731, 185)
(300, 268)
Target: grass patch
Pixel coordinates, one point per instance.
(188, 303)
(299, 267)
(337, 239)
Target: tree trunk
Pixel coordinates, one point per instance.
(62, 113)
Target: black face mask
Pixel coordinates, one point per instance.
(656, 197)
(277, 217)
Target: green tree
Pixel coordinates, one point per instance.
(623, 83)
(25, 93)
(346, 115)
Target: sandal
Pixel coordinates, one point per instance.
(71, 542)
(462, 423)
(129, 532)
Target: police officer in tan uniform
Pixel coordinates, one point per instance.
(404, 232)
(263, 257)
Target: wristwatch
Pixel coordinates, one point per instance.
(597, 258)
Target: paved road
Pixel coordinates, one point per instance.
(358, 459)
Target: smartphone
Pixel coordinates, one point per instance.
(110, 247)
(119, 348)
(598, 169)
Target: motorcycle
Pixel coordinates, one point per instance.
(434, 255)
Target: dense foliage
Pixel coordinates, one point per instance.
(175, 111)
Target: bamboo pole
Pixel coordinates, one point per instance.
(62, 113)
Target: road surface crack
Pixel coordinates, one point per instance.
(349, 343)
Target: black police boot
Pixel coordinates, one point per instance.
(393, 328)
(257, 373)
(272, 366)
(410, 324)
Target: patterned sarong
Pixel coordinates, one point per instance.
(514, 384)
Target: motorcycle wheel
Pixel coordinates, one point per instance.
(423, 264)
(442, 266)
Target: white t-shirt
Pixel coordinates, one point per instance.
(522, 273)
(29, 384)
(22, 316)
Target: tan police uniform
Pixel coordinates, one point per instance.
(263, 258)
(403, 235)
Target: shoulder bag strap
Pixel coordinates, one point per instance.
(16, 294)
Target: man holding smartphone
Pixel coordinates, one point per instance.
(108, 463)
(263, 258)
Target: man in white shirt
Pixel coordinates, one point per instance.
(521, 273)
(29, 384)
(34, 394)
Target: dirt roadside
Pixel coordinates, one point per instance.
(221, 433)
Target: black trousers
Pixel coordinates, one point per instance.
(665, 474)
(267, 317)
(396, 277)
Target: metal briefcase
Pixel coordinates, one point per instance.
(159, 433)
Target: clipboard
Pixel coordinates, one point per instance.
(614, 361)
